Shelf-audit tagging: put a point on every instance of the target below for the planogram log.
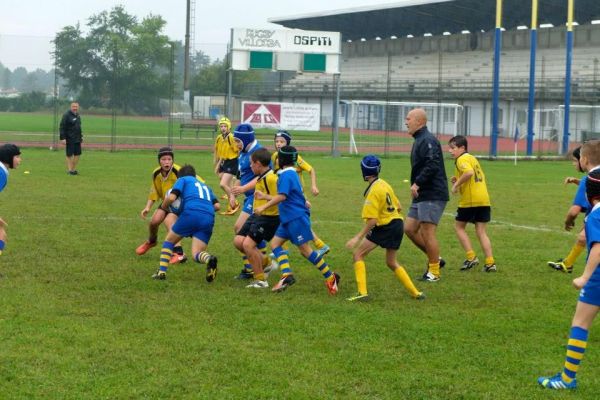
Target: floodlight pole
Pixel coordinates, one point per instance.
(55, 100)
(531, 103)
(569, 47)
(496, 80)
(335, 150)
(230, 76)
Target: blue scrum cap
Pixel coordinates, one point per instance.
(370, 166)
(245, 134)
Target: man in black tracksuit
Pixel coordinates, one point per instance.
(71, 137)
(429, 190)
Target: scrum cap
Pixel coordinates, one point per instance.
(7, 152)
(287, 155)
(370, 166)
(225, 121)
(245, 134)
(165, 151)
(285, 135)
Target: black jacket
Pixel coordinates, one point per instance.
(70, 127)
(428, 171)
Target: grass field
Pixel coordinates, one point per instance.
(80, 317)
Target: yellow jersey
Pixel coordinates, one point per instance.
(267, 183)
(473, 193)
(225, 147)
(381, 203)
(161, 184)
(300, 167)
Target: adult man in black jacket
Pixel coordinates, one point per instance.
(429, 190)
(71, 137)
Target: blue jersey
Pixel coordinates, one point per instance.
(294, 206)
(195, 196)
(590, 293)
(581, 197)
(246, 174)
(3, 177)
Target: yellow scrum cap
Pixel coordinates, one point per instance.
(226, 121)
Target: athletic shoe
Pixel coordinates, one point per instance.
(323, 250)
(231, 211)
(224, 197)
(429, 277)
(559, 265)
(245, 274)
(359, 297)
(144, 247)
(420, 296)
(442, 265)
(178, 258)
(469, 264)
(160, 275)
(284, 283)
(556, 382)
(332, 284)
(258, 285)
(211, 269)
(489, 268)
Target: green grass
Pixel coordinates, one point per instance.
(81, 318)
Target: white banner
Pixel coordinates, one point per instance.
(288, 40)
(289, 116)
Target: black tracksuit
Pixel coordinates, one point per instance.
(427, 167)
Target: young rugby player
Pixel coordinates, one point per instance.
(10, 158)
(294, 224)
(589, 296)
(474, 204)
(259, 228)
(163, 178)
(580, 205)
(284, 138)
(383, 227)
(196, 219)
(226, 163)
(247, 144)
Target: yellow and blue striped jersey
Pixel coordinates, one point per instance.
(473, 193)
(225, 147)
(267, 183)
(381, 203)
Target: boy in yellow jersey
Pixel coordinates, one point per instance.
(258, 228)
(474, 204)
(383, 227)
(284, 138)
(163, 178)
(226, 163)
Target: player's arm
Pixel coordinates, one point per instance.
(590, 266)
(570, 179)
(169, 200)
(262, 196)
(237, 190)
(369, 224)
(572, 214)
(462, 179)
(313, 182)
(278, 198)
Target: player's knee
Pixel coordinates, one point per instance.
(238, 242)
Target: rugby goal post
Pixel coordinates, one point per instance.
(370, 123)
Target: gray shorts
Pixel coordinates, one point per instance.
(427, 211)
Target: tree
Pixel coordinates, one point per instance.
(121, 62)
(212, 79)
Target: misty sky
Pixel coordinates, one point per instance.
(27, 26)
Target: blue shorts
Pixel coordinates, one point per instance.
(590, 293)
(195, 224)
(248, 202)
(296, 231)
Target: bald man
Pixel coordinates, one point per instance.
(429, 191)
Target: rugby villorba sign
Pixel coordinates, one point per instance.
(290, 116)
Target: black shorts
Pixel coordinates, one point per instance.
(73, 149)
(474, 214)
(387, 236)
(260, 227)
(229, 166)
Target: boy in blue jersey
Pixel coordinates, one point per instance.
(196, 219)
(294, 224)
(585, 158)
(10, 158)
(588, 285)
(247, 144)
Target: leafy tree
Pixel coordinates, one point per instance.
(121, 62)
(212, 79)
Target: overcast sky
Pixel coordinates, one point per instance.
(27, 26)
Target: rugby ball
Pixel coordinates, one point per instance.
(175, 206)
